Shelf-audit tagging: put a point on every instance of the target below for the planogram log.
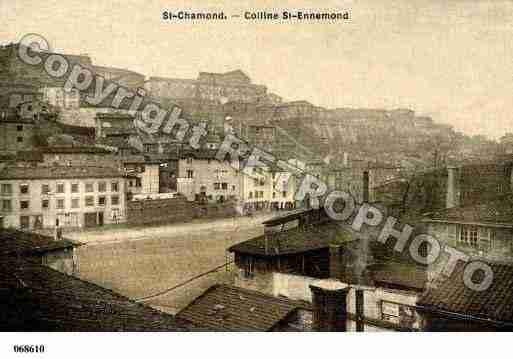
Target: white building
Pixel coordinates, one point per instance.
(63, 196)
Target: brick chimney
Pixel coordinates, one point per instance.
(329, 299)
(452, 194)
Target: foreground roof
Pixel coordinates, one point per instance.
(497, 212)
(23, 243)
(227, 308)
(58, 172)
(451, 296)
(37, 298)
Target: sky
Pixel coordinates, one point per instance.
(451, 60)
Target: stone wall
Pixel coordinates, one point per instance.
(173, 210)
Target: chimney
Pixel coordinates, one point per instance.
(346, 160)
(335, 261)
(359, 306)
(452, 197)
(365, 186)
(329, 306)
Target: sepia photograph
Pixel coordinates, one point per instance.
(283, 166)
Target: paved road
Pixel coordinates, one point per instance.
(141, 262)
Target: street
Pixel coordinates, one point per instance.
(141, 262)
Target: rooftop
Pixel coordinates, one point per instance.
(452, 296)
(228, 308)
(296, 240)
(73, 149)
(23, 243)
(498, 212)
(58, 172)
(37, 298)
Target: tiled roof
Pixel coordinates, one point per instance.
(295, 240)
(228, 308)
(24, 243)
(498, 212)
(401, 275)
(58, 172)
(116, 141)
(37, 298)
(452, 295)
(73, 149)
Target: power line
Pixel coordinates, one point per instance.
(165, 291)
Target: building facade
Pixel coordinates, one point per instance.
(201, 176)
(49, 197)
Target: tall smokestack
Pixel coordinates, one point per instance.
(346, 160)
(365, 186)
(452, 197)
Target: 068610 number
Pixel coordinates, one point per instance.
(26, 348)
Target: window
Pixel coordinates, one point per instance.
(60, 187)
(130, 183)
(233, 188)
(102, 186)
(45, 189)
(19, 139)
(6, 205)
(114, 200)
(250, 195)
(224, 185)
(403, 315)
(188, 160)
(24, 205)
(60, 203)
(89, 201)
(480, 238)
(24, 188)
(101, 201)
(284, 194)
(217, 185)
(89, 187)
(6, 189)
(19, 128)
(114, 187)
(74, 188)
(469, 236)
(75, 203)
(45, 204)
(274, 194)
(190, 174)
